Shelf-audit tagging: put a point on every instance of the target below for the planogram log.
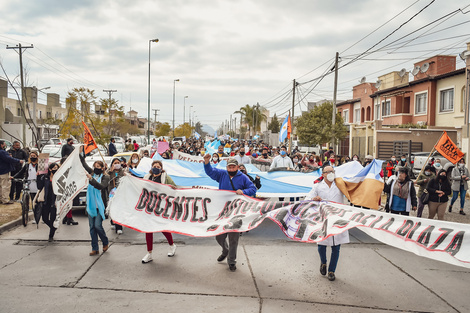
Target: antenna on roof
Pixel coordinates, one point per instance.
(363, 80)
(378, 84)
(415, 71)
(424, 67)
(402, 72)
(462, 55)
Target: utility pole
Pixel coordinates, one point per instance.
(24, 106)
(109, 92)
(156, 112)
(333, 120)
(292, 116)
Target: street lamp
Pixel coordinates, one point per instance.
(174, 84)
(148, 97)
(190, 110)
(184, 108)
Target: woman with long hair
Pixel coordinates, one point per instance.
(158, 175)
(49, 210)
(402, 193)
(115, 172)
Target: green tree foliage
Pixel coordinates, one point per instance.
(275, 125)
(184, 130)
(253, 116)
(314, 127)
(162, 129)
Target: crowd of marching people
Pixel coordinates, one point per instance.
(437, 186)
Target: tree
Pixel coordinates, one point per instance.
(184, 130)
(314, 127)
(275, 125)
(253, 116)
(198, 129)
(162, 129)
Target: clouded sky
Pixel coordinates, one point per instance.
(225, 53)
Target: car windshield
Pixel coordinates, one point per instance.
(54, 151)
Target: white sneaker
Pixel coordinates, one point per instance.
(113, 227)
(119, 232)
(147, 258)
(171, 250)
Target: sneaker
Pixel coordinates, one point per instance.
(119, 232)
(221, 258)
(147, 258)
(331, 276)
(323, 269)
(450, 208)
(172, 250)
(113, 227)
(232, 267)
(9, 202)
(462, 212)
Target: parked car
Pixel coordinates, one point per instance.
(419, 159)
(53, 150)
(140, 140)
(119, 147)
(9, 144)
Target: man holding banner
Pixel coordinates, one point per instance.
(230, 179)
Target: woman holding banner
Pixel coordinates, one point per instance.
(49, 210)
(402, 193)
(439, 191)
(96, 202)
(158, 175)
(460, 176)
(116, 172)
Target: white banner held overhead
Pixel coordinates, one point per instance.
(150, 207)
(190, 158)
(67, 182)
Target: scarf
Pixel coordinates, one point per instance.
(401, 190)
(94, 200)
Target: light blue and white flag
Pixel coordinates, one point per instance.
(283, 131)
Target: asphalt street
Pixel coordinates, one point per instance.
(274, 274)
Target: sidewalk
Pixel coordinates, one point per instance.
(274, 274)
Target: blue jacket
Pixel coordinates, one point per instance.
(112, 149)
(240, 180)
(7, 163)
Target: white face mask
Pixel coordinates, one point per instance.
(295, 160)
(355, 159)
(117, 166)
(461, 165)
(393, 159)
(135, 160)
(330, 177)
(427, 173)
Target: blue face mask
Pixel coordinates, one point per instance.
(403, 160)
(283, 152)
(156, 171)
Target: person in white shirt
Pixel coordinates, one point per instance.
(242, 158)
(282, 160)
(327, 190)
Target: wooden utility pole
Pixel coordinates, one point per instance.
(292, 116)
(333, 120)
(24, 105)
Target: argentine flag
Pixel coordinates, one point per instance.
(284, 129)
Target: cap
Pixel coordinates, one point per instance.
(232, 162)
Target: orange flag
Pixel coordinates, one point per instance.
(88, 140)
(448, 149)
(289, 127)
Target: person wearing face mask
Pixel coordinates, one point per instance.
(282, 160)
(437, 165)
(29, 172)
(7, 165)
(356, 158)
(391, 165)
(96, 202)
(439, 191)
(49, 209)
(422, 181)
(326, 190)
(403, 163)
(402, 193)
(158, 175)
(134, 161)
(242, 158)
(215, 158)
(230, 179)
(310, 163)
(264, 154)
(116, 172)
(296, 161)
(256, 181)
(459, 177)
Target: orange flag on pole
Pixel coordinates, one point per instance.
(88, 140)
(289, 127)
(448, 149)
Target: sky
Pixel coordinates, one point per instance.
(226, 54)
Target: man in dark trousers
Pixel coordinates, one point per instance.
(230, 179)
(112, 147)
(17, 153)
(7, 164)
(67, 148)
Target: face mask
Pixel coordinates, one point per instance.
(215, 160)
(393, 159)
(243, 171)
(53, 172)
(232, 173)
(355, 159)
(97, 171)
(438, 164)
(117, 166)
(295, 160)
(444, 176)
(135, 160)
(242, 153)
(427, 173)
(403, 160)
(283, 152)
(330, 177)
(156, 171)
(146, 155)
(265, 154)
(461, 165)
(33, 159)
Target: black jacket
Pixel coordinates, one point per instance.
(435, 185)
(66, 150)
(23, 173)
(103, 186)
(19, 154)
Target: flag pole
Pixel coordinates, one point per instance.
(432, 151)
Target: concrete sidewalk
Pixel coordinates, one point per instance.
(274, 274)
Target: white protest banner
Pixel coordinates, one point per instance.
(150, 207)
(190, 158)
(67, 182)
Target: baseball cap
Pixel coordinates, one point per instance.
(232, 162)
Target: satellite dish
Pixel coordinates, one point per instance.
(363, 80)
(462, 55)
(424, 67)
(378, 84)
(415, 71)
(402, 72)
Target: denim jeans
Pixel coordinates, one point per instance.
(96, 229)
(455, 195)
(334, 256)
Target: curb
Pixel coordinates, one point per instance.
(7, 226)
